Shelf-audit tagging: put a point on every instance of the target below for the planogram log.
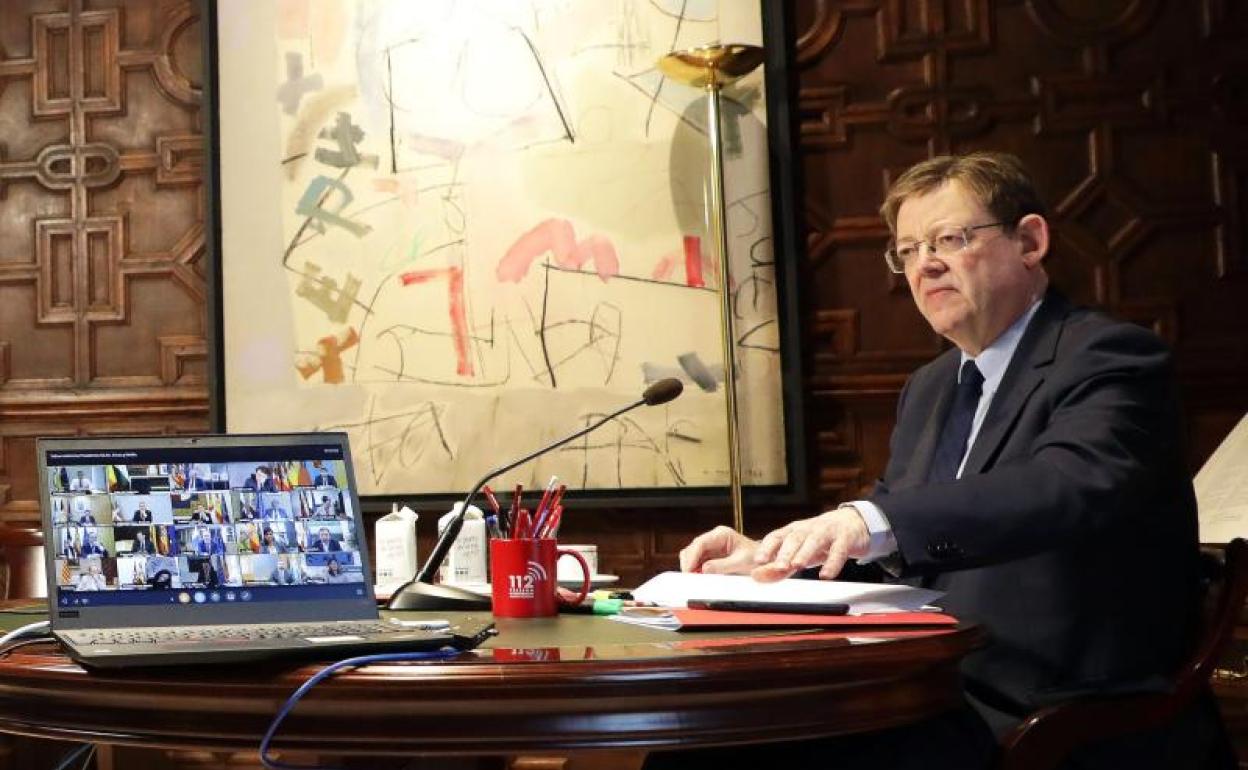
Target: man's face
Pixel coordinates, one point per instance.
(971, 296)
(324, 534)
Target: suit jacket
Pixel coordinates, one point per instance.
(283, 577)
(1072, 533)
(252, 484)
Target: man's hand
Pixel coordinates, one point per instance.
(829, 539)
(721, 551)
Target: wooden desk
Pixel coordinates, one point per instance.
(570, 686)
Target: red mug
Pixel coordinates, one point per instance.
(522, 577)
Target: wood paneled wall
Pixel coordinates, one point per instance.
(1132, 113)
(102, 265)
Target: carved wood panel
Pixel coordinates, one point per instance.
(102, 274)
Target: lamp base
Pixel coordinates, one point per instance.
(427, 596)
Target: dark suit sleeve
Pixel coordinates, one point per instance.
(1089, 456)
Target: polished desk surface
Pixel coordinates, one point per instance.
(566, 683)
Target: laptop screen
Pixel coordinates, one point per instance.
(216, 528)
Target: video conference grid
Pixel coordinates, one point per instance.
(173, 526)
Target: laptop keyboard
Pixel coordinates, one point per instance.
(259, 632)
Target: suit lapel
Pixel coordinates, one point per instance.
(944, 381)
(1025, 373)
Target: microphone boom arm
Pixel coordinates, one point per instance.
(451, 532)
(421, 593)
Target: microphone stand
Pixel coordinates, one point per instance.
(420, 593)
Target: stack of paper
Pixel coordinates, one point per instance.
(676, 589)
(1222, 489)
(675, 619)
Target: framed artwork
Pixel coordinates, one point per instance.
(458, 230)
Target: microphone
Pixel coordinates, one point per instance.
(660, 393)
(421, 594)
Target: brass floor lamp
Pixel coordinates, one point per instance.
(711, 68)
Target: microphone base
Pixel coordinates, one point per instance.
(427, 596)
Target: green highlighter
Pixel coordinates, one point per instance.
(596, 607)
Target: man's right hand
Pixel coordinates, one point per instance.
(722, 551)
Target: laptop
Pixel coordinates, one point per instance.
(209, 549)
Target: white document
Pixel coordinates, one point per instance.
(675, 589)
(1222, 489)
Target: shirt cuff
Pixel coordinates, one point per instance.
(883, 542)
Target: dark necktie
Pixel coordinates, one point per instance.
(953, 438)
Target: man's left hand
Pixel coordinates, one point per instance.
(829, 539)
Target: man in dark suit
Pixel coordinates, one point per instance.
(91, 546)
(1036, 472)
(260, 480)
(284, 573)
(141, 544)
(324, 542)
(141, 513)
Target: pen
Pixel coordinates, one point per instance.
(793, 608)
(551, 507)
(594, 607)
(552, 524)
(539, 513)
(492, 500)
(554, 501)
(605, 594)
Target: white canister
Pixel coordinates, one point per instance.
(395, 539)
(466, 561)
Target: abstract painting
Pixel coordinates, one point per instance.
(458, 229)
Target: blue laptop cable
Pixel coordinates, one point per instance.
(356, 662)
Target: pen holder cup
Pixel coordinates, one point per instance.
(523, 579)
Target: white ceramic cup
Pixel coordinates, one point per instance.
(568, 569)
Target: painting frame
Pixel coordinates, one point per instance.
(787, 249)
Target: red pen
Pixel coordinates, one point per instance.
(552, 525)
(522, 524)
(492, 500)
(548, 508)
(541, 506)
(554, 501)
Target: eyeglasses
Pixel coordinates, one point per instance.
(942, 243)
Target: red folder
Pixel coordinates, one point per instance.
(707, 620)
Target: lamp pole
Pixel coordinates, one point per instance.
(711, 68)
